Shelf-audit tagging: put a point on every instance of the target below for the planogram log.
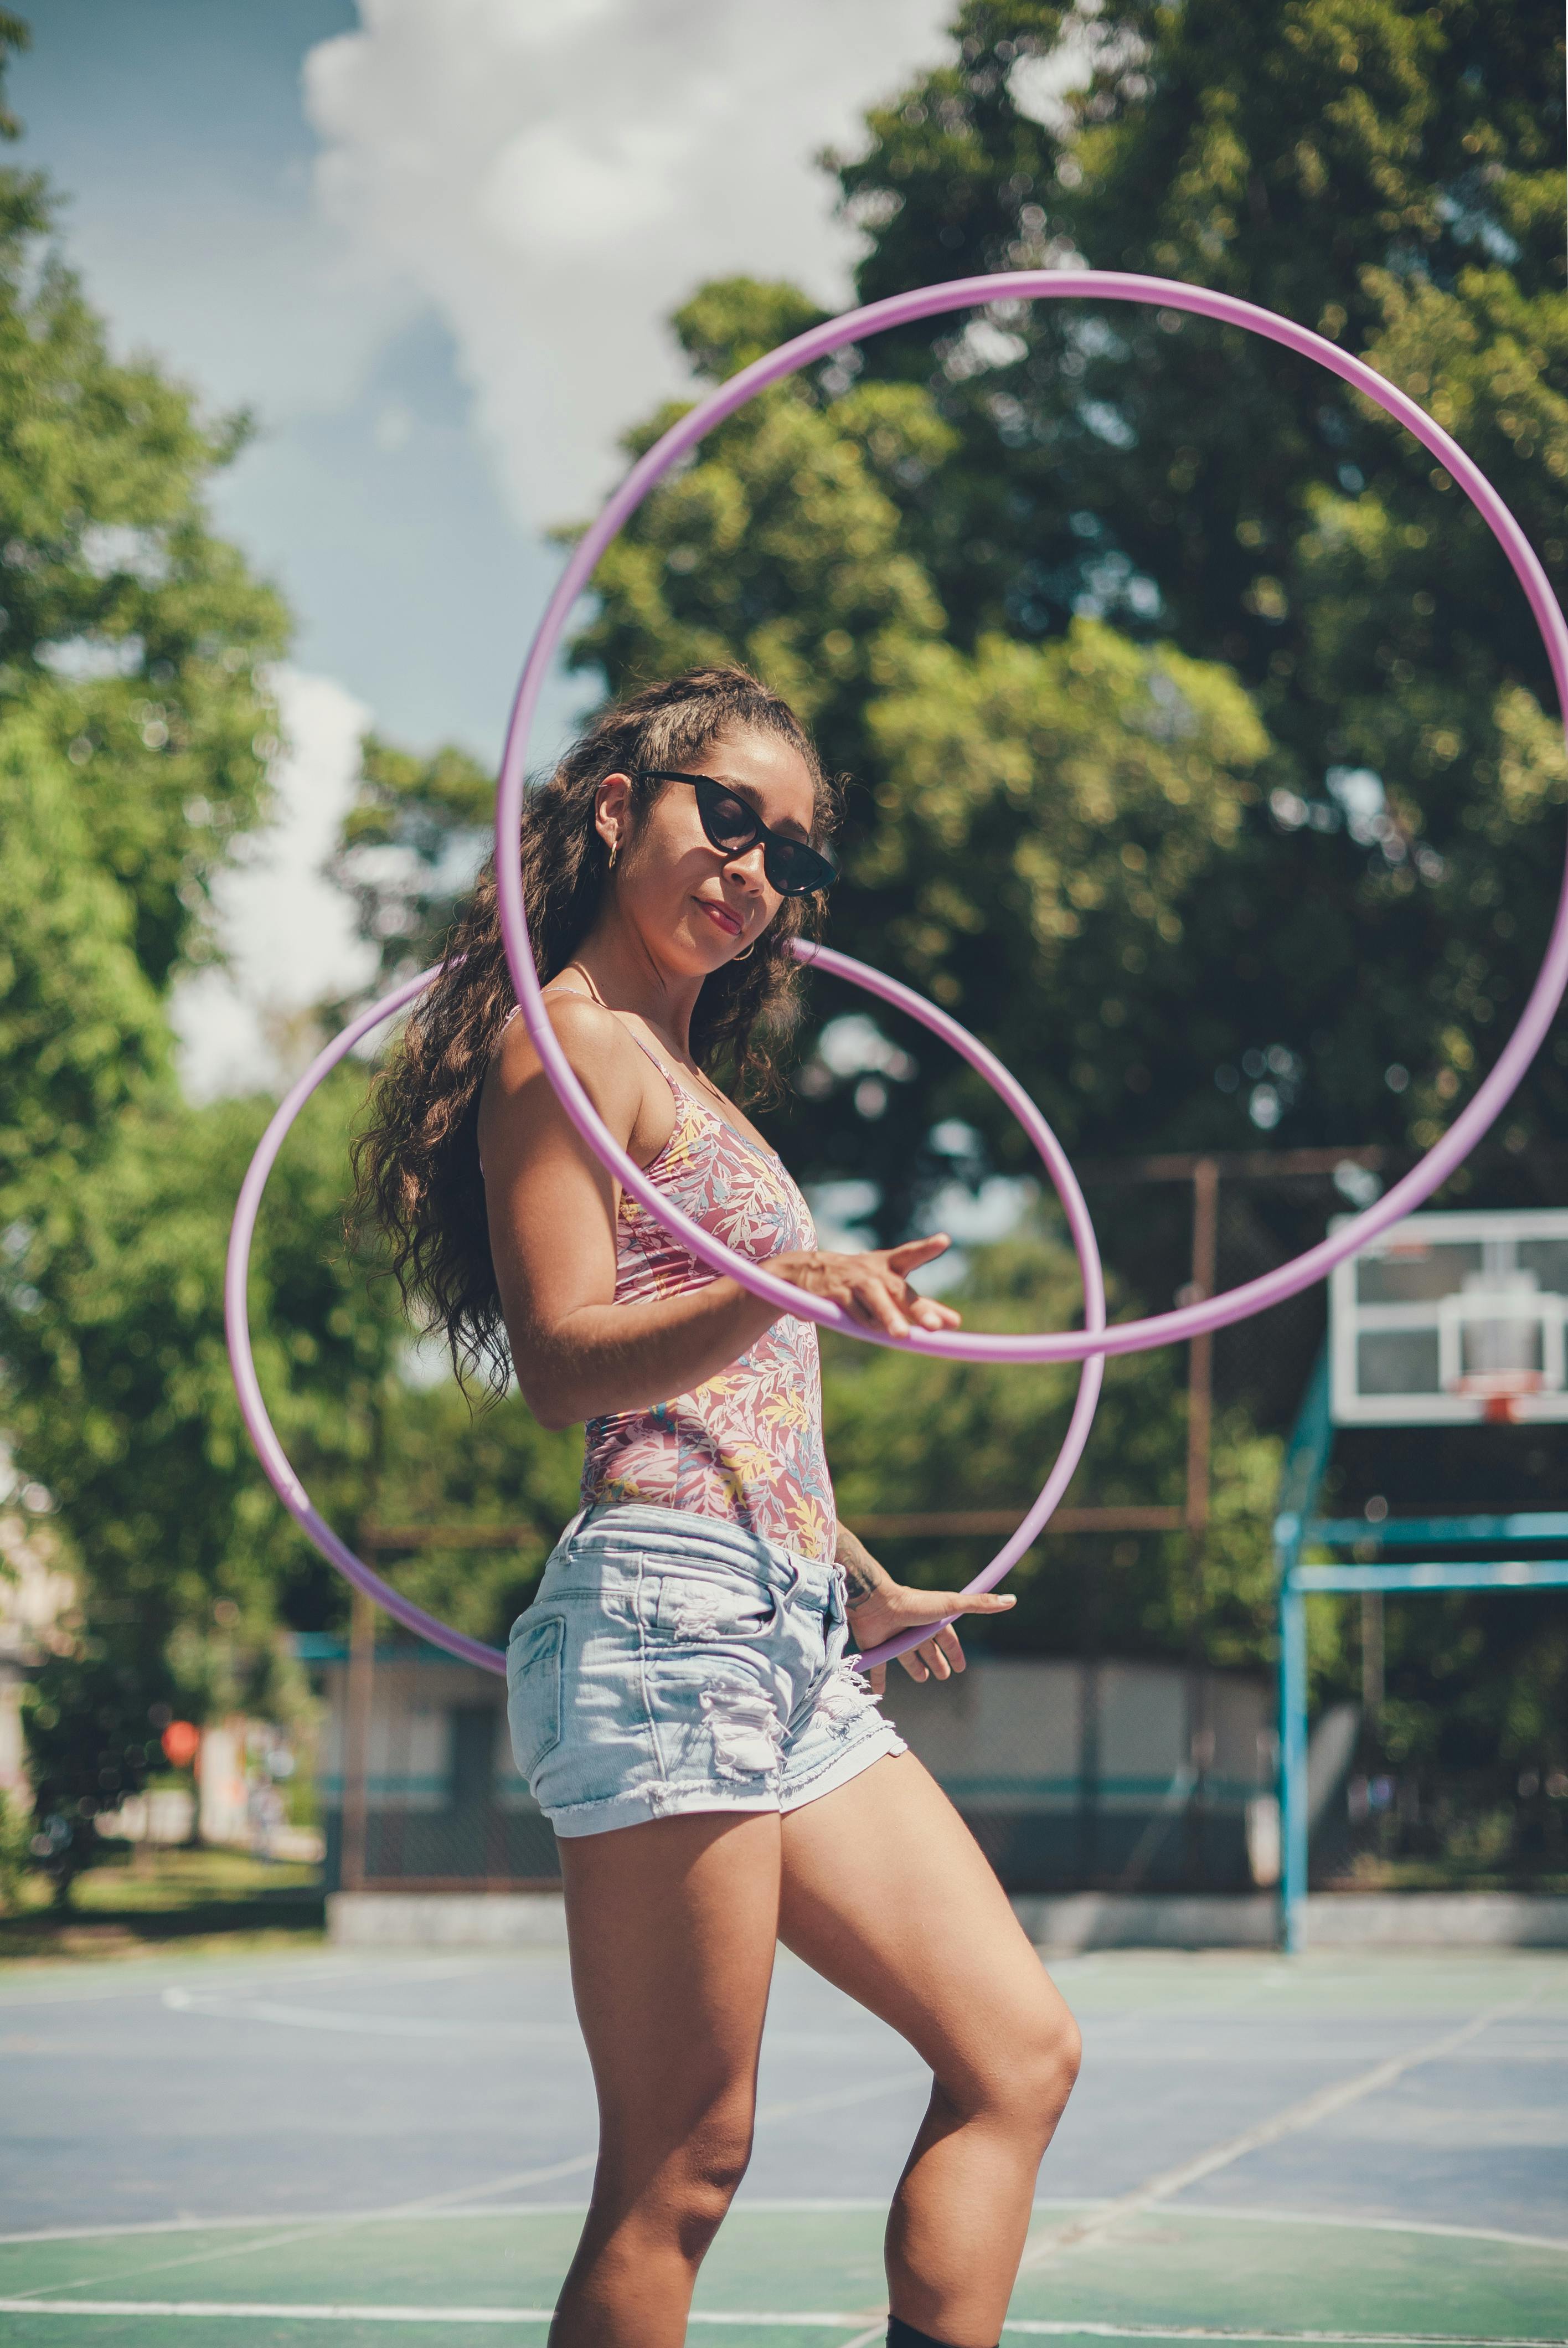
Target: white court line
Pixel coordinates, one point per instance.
(1434, 2227)
(217, 2006)
(758, 2319)
(1294, 2118)
(400, 2211)
(835, 2206)
(323, 1969)
(307, 2230)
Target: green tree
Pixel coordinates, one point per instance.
(90, 1746)
(136, 731)
(1035, 821)
(410, 845)
(118, 1393)
(1391, 174)
(441, 1463)
(914, 1435)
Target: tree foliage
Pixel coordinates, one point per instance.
(119, 1392)
(912, 1435)
(1392, 176)
(136, 731)
(410, 845)
(938, 542)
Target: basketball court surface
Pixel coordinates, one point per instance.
(306, 2149)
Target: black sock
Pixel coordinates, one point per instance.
(904, 2335)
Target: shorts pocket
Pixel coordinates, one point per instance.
(697, 1606)
(534, 1693)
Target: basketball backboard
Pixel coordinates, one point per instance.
(1446, 1320)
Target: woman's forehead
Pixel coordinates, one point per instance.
(769, 768)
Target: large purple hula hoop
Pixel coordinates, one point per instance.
(297, 1500)
(899, 309)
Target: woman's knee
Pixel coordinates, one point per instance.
(706, 2174)
(679, 2189)
(1027, 2074)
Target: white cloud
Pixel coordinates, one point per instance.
(554, 176)
(288, 932)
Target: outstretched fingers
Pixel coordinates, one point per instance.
(923, 1312)
(942, 1654)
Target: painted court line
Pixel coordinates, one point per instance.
(1294, 2118)
(307, 2230)
(400, 2211)
(1226, 2214)
(755, 2319)
(218, 2005)
(835, 2206)
(133, 1984)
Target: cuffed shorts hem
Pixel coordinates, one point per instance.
(878, 1742)
(665, 1801)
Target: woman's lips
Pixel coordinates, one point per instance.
(721, 917)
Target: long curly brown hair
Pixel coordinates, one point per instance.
(416, 1162)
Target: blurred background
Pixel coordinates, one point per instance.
(1202, 757)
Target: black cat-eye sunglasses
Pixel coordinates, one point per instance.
(732, 826)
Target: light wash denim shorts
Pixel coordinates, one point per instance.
(673, 1662)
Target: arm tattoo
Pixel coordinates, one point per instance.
(862, 1574)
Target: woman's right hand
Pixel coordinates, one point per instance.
(874, 1286)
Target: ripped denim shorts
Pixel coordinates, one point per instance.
(672, 1663)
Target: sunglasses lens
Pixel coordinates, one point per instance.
(795, 870)
(728, 823)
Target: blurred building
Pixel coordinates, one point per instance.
(1119, 1775)
(35, 1592)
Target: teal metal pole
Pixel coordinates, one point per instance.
(1293, 1813)
(1301, 1479)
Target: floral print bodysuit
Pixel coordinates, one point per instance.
(746, 1444)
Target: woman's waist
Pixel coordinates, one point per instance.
(641, 1274)
(611, 1537)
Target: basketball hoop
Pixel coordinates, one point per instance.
(1453, 1320)
(1499, 1392)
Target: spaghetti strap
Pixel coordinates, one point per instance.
(681, 1092)
(676, 1086)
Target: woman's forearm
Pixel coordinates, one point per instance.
(862, 1574)
(613, 1358)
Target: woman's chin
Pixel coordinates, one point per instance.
(709, 946)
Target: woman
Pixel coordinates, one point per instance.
(718, 1778)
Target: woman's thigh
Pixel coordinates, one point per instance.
(673, 1926)
(885, 1892)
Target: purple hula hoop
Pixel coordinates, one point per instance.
(296, 1499)
(899, 309)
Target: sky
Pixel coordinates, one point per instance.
(431, 245)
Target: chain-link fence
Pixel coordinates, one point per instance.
(418, 1789)
(1121, 1776)
(1138, 1750)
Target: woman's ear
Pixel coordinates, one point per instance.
(613, 813)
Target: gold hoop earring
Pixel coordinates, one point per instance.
(614, 852)
(747, 955)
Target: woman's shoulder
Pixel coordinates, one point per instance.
(584, 1029)
(600, 1053)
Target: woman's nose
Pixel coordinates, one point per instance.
(747, 864)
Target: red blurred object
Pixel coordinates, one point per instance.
(1499, 1410)
(182, 1742)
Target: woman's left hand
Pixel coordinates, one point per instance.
(892, 1607)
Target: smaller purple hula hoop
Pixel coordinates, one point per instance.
(275, 1460)
(854, 325)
